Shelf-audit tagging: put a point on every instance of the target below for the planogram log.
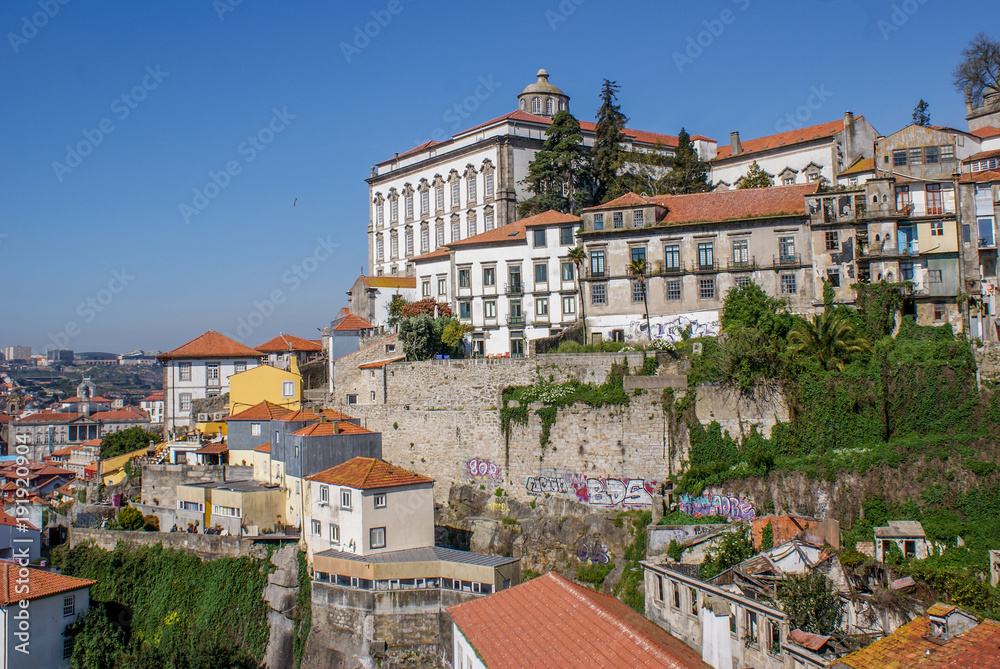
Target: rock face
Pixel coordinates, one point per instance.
(280, 594)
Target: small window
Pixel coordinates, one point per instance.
(380, 501)
(489, 276)
(659, 587)
(335, 533)
(732, 621)
(408, 201)
(442, 286)
(916, 156)
(751, 628)
(439, 197)
(184, 370)
(693, 592)
(472, 189)
(549, 107)
(932, 155)
(456, 194)
(254, 429)
(317, 528)
(536, 105)
(598, 293)
(456, 230)
(673, 290)
(676, 587)
(373, 392)
(742, 281)
(488, 221)
(67, 647)
(566, 236)
(425, 239)
(638, 218)
(439, 235)
(937, 228)
(425, 289)
(345, 499)
(899, 157)
(490, 309)
(934, 276)
(352, 398)
(947, 154)
(569, 304)
(69, 605)
(376, 537)
(538, 237)
(618, 220)
(788, 284)
(240, 366)
(938, 311)
(379, 214)
(465, 310)
(638, 290)
(833, 277)
(393, 209)
(832, 240)
(706, 289)
(566, 271)
(287, 388)
(541, 273)
(464, 280)
(185, 401)
(598, 221)
(324, 493)
(672, 256)
(390, 348)
(775, 646)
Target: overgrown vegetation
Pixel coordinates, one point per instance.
(810, 602)
(594, 573)
(303, 609)
(733, 548)
(126, 441)
(627, 589)
(175, 610)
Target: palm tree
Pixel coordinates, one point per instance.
(830, 338)
(637, 268)
(578, 256)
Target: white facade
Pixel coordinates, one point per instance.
(186, 380)
(155, 410)
(463, 652)
(48, 617)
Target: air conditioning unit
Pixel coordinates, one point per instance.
(203, 418)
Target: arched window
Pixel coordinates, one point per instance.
(524, 105)
(536, 106)
(562, 105)
(548, 106)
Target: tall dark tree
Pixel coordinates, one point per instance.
(608, 156)
(978, 73)
(557, 174)
(920, 114)
(689, 173)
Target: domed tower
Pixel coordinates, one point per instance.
(542, 98)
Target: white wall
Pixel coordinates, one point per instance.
(774, 163)
(464, 655)
(46, 625)
(197, 386)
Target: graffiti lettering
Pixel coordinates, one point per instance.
(596, 553)
(483, 470)
(671, 328)
(539, 485)
(499, 506)
(732, 508)
(616, 492)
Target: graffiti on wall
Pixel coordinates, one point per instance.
(483, 470)
(733, 508)
(606, 492)
(539, 485)
(595, 552)
(671, 328)
(499, 506)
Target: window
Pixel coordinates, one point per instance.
(317, 528)
(69, 605)
(948, 154)
(456, 231)
(372, 395)
(442, 287)
(617, 220)
(906, 271)
(380, 501)
(379, 248)
(786, 248)
(742, 281)
(409, 241)
(775, 646)
(536, 106)
(488, 221)
(898, 157)
(541, 274)
(393, 245)
(598, 293)
(566, 270)
(425, 239)
(490, 309)
(254, 429)
(598, 221)
(464, 281)
(676, 587)
(932, 155)
(408, 204)
(937, 228)
(425, 289)
(324, 493)
(916, 156)
(938, 311)
(902, 197)
(465, 310)
(672, 256)
(549, 109)
(934, 276)
(694, 601)
(597, 263)
(638, 290)
(706, 255)
(184, 371)
(833, 277)
(935, 206)
(376, 537)
(569, 304)
(380, 214)
(706, 289)
(659, 588)
(277, 437)
(788, 180)
(240, 366)
(345, 499)
(352, 398)
(541, 306)
(440, 235)
(741, 252)
(185, 401)
(212, 373)
(673, 290)
(393, 209)
(456, 194)
(832, 240)
(439, 198)
(489, 276)
(538, 238)
(231, 511)
(473, 230)
(638, 218)
(788, 284)
(638, 252)
(288, 389)
(751, 628)
(425, 201)
(732, 621)
(472, 189)
(390, 348)
(67, 647)
(488, 184)
(335, 533)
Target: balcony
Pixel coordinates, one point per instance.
(889, 252)
(788, 260)
(987, 243)
(709, 266)
(514, 288)
(670, 270)
(742, 265)
(515, 320)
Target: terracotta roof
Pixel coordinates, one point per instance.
(390, 281)
(154, 397)
(516, 231)
(91, 442)
(808, 640)
(977, 648)
(982, 155)
(305, 415)
(550, 617)
(367, 474)
(353, 322)
(263, 448)
(12, 521)
(284, 343)
(859, 166)
(210, 345)
(214, 449)
(381, 363)
(782, 139)
(119, 415)
(40, 584)
(325, 429)
(263, 411)
(442, 252)
(626, 200)
(986, 133)
(987, 176)
(98, 400)
(48, 417)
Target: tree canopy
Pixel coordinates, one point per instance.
(424, 337)
(755, 177)
(608, 156)
(921, 116)
(830, 338)
(126, 441)
(977, 75)
(558, 173)
(689, 173)
(810, 603)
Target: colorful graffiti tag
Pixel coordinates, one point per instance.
(671, 328)
(733, 508)
(539, 485)
(617, 492)
(596, 553)
(483, 470)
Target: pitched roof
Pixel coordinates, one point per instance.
(987, 176)
(985, 132)
(368, 473)
(982, 155)
(441, 252)
(325, 429)
(12, 521)
(210, 345)
(263, 411)
(213, 449)
(807, 134)
(381, 363)
(154, 397)
(284, 343)
(517, 231)
(263, 448)
(93, 400)
(909, 647)
(306, 415)
(40, 584)
(390, 281)
(47, 417)
(548, 617)
(123, 414)
(859, 166)
(626, 200)
(353, 322)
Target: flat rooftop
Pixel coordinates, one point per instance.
(425, 554)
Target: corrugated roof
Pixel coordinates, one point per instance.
(532, 624)
(210, 345)
(368, 473)
(425, 554)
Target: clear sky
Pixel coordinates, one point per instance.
(115, 116)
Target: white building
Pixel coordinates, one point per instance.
(153, 405)
(511, 284)
(444, 191)
(46, 603)
(199, 369)
(797, 156)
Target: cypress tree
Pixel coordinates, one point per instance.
(690, 173)
(557, 174)
(608, 155)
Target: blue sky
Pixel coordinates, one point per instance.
(107, 246)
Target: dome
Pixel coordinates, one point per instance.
(542, 98)
(542, 85)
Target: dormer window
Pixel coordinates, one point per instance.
(638, 218)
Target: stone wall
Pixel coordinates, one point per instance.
(737, 412)
(207, 547)
(159, 482)
(988, 360)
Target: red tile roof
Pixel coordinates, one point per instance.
(210, 345)
(40, 584)
(807, 134)
(353, 322)
(626, 200)
(154, 397)
(516, 231)
(982, 155)
(263, 448)
(381, 363)
(325, 429)
(93, 400)
(367, 474)
(119, 415)
(390, 281)
(213, 449)
(977, 648)
(985, 133)
(284, 343)
(47, 417)
(550, 617)
(310, 415)
(436, 254)
(263, 411)
(13, 521)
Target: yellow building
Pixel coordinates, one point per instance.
(266, 383)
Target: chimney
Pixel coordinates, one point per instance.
(848, 119)
(336, 427)
(734, 143)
